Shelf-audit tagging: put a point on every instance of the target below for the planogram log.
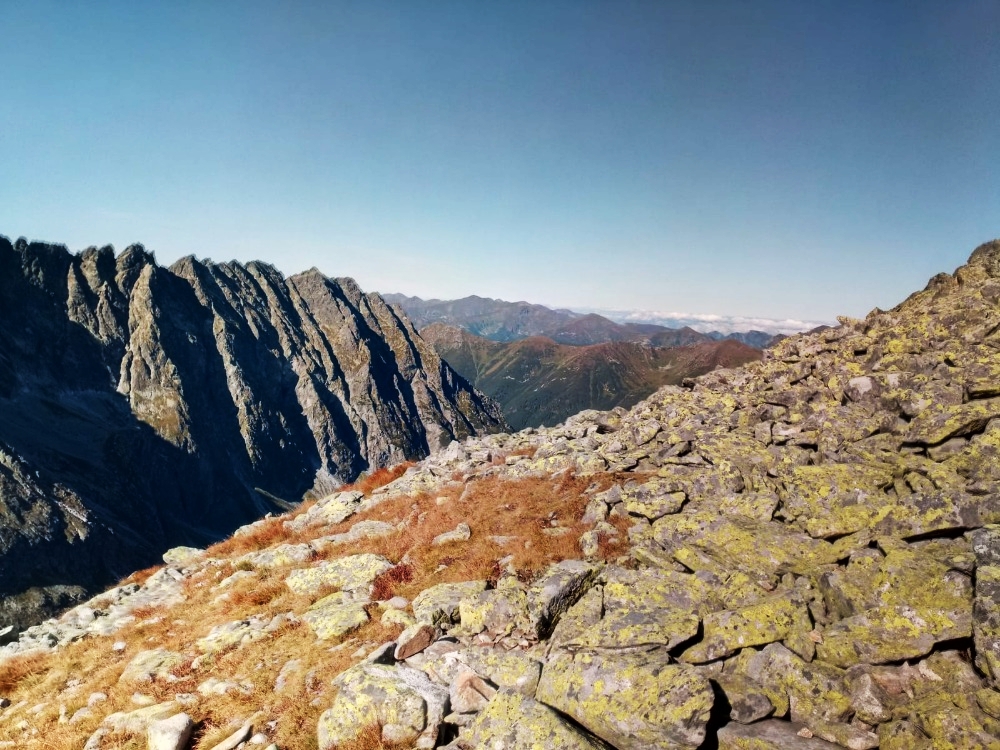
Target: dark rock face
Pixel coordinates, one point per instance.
(141, 406)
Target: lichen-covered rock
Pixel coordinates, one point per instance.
(887, 634)
(837, 499)
(902, 735)
(331, 510)
(986, 612)
(558, 589)
(236, 633)
(641, 608)
(183, 555)
(353, 573)
(279, 556)
(767, 621)
(439, 605)
(586, 613)
(653, 499)
(511, 669)
(844, 734)
(512, 720)
(498, 611)
(335, 615)
(805, 690)
(705, 541)
(770, 735)
(634, 701)
(747, 700)
(952, 726)
(402, 701)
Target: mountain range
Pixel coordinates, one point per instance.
(537, 381)
(801, 553)
(143, 406)
(498, 320)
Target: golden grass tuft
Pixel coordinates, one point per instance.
(141, 576)
(379, 478)
(385, 584)
(370, 739)
(18, 668)
(269, 532)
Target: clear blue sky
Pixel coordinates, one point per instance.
(783, 159)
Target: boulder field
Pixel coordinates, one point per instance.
(801, 553)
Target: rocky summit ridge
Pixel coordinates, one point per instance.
(143, 406)
(800, 553)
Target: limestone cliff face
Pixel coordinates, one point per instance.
(141, 406)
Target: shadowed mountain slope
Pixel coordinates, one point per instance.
(143, 406)
(537, 381)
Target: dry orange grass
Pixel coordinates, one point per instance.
(379, 478)
(385, 584)
(370, 739)
(141, 576)
(14, 671)
(520, 510)
(272, 531)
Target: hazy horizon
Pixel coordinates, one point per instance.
(774, 161)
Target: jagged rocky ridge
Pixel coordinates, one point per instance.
(143, 406)
(813, 562)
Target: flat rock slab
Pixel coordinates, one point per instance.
(512, 720)
(497, 611)
(888, 634)
(510, 669)
(403, 701)
(633, 701)
(182, 556)
(653, 499)
(330, 510)
(279, 556)
(623, 629)
(769, 735)
(768, 621)
(149, 665)
(335, 616)
(139, 720)
(352, 573)
(439, 605)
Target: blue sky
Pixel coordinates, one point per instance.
(775, 159)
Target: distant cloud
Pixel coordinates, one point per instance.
(710, 322)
